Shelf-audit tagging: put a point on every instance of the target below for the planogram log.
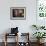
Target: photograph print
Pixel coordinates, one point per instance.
(17, 13)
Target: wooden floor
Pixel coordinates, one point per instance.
(13, 44)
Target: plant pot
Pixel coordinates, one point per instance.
(40, 41)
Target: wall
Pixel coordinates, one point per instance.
(24, 25)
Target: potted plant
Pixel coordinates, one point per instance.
(39, 35)
(38, 27)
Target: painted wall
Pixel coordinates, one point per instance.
(24, 25)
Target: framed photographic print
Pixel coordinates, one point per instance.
(17, 13)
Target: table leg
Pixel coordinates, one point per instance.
(5, 40)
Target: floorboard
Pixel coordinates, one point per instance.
(13, 44)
